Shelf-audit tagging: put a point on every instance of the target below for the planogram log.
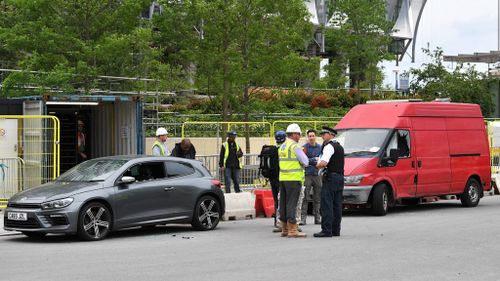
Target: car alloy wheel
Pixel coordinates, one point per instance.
(94, 222)
(207, 213)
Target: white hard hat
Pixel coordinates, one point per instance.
(161, 131)
(293, 128)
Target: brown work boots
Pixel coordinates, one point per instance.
(293, 231)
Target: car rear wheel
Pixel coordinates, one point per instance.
(471, 195)
(34, 235)
(380, 200)
(94, 222)
(206, 214)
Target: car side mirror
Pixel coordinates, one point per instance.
(127, 179)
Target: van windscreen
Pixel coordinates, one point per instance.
(361, 142)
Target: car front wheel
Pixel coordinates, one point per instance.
(206, 214)
(94, 222)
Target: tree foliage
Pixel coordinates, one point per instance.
(234, 46)
(461, 84)
(67, 43)
(358, 42)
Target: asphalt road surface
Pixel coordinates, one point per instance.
(436, 241)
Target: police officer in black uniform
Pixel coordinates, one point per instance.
(331, 165)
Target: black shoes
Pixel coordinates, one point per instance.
(322, 234)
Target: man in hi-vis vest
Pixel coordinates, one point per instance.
(160, 145)
(292, 162)
(230, 162)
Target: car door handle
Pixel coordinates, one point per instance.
(170, 188)
(419, 163)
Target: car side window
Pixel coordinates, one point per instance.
(176, 169)
(146, 171)
(400, 140)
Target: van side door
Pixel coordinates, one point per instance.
(403, 173)
(432, 155)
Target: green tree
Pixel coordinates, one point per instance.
(236, 46)
(462, 84)
(67, 43)
(358, 41)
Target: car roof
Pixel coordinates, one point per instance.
(141, 157)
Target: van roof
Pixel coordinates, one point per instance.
(386, 115)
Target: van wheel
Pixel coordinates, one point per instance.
(472, 193)
(380, 200)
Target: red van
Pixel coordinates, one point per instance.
(399, 152)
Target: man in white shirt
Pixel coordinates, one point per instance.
(331, 162)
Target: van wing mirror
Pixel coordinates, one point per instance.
(394, 155)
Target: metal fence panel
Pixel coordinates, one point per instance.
(32, 152)
(249, 176)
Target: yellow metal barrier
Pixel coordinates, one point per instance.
(207, 137)
(29, 152)
(305, 124)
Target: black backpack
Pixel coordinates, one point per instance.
(269, 162)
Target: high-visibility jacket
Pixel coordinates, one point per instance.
(290, 167)
(160, 145)
(226, 153)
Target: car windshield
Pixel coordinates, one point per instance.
(361, 143)
(92, 170)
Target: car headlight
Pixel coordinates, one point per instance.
(353, 179)
(57, 204)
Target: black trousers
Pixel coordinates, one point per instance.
(331, 203)
(275, 188)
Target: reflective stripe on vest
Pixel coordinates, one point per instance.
(290, 167)
(226, 153)
(160, 145)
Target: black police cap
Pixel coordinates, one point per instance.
(328, 130)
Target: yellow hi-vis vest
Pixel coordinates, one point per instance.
(160, 145)
(226, 153)
(290, 167)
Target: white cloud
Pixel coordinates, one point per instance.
(457, 26)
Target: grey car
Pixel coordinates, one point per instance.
(110, 193)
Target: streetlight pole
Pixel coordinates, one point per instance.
(396, 71)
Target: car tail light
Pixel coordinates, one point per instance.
(216, 183)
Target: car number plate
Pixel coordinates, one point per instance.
(17, 216)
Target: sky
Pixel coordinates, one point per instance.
(457, 26)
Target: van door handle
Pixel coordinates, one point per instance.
(413, 164)
(419, 163)
(170, 188)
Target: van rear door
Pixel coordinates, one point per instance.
(432, 156)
